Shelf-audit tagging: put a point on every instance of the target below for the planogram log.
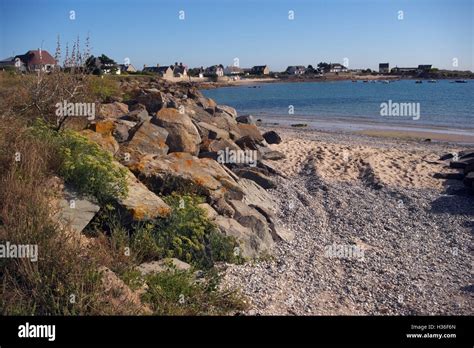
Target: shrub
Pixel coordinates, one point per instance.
(186, 234)
(83, 163)
(103, 87)
(64, 280)
(178, 293)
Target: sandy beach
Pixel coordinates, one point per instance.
(377, 194)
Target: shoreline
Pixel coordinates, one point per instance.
(368, 128)
(298, 79)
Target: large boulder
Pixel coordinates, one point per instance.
(227, 109)
(138, 115)
(221, 120)
(152, 99)
(165, 174)
(267, 153)
(251, 218)
(255, 195)
(212, 132)
(75, 210)
(272, 137)
(183, 134)
(251, 245)
(140, 203)
(146, 138)
(113, 110)
(122, 130)
(251, 131)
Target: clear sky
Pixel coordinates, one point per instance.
(366, 32)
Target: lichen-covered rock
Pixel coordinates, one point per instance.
(104, 127)
(146, 138)
(181, 170)
(140, 203)
(183, 135)
(113, 110)
(212, 132)
(107, 142)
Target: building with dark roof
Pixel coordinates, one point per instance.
(260, 70)
(37, 60)
(384, 68)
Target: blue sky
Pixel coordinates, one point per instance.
(366, 32)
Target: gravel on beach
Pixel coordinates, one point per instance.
(405, 251)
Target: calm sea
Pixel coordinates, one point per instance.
(441, 104)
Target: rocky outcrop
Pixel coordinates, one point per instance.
(180, 149)
(183, 135)
(464, 161)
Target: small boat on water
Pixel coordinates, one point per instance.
(354, 80)
(385, 81)
(365, 81)
(418, 81)
(432, 81)
(460, 81)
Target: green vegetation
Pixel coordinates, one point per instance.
(186, 234)
(103, 87)
(64, 280)
(67, 277)
(82, 163)
(180, 293)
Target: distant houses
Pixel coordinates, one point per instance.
(337, 68)
(384, 68)
(296, 70)
(260, 70)
(214, 71)
(33, 60)
(180, 70)
(233, 71)
(127, 68)
(162, 71)
(420, 70)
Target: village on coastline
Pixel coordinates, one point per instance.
(42, 60)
